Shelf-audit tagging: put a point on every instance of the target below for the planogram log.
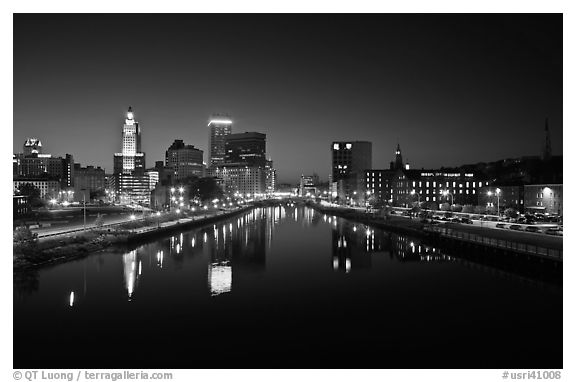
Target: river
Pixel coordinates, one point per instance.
(285, 287)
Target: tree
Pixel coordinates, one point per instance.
(511, 213)
(203, 188)
(379, 204)
(97, 194)
(445, 207)
(468, 208)
(457, 208)
(32, 192)
(480, 210)
(491, 210)
(24, 237)
(99, 222)
(433, 206)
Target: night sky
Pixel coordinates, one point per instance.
(451, 89)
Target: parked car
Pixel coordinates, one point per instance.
(392, 212)
(516, 227)
(406, 213)
(532, 228)
(500, 225)
(554, 231)
(466, 220)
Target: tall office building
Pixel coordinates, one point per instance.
(349, 161)
(220, 128)
(185, 160)
(32, 146)
(130, 181)
(248, 149)
(32, 163)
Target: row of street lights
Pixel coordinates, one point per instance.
(446, 193)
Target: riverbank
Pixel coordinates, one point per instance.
(529, 244)
(390, 223)
(58, 250)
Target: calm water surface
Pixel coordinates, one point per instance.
(284, 287)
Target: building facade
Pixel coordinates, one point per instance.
(350, 159)
(248, 149)
(33, 163)
(88, 180)
(270, 177)
(185, 160)
(544, 198)
(504, 196)
(49, 188)
(21, 206)
(131, 184)
(400, 186)
(220, 128)
(240, 179)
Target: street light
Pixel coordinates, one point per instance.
(446, 193)
(498, 201)
(413, 192)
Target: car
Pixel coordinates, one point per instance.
(553, 231)
(500, 225)
(466, 221)
(406, 213)
(516, 227)
(454, 220)
(532, 228)
(392, 212)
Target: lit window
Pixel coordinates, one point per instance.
(336, 146)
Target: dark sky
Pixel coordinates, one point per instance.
(452, 89)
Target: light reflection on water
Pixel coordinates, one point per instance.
(251, 238)
(276, 265)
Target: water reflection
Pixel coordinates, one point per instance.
(130, 276)
(351, 251)
(353, 245)
(272, 273)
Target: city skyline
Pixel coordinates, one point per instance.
(487, 79)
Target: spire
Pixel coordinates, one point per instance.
(130, 114)
(398, 163)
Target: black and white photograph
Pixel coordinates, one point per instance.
(287, 191)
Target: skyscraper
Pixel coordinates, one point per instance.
(32, 146)
(131, 159)
(220, 127)
(185, 160)
(248, 149)
(349, 160)
(130, 182)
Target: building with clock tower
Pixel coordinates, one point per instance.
(130, 182)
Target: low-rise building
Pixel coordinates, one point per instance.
(21, 206)
(240, 179)
(48, 188)
(509, 196)
(544, 198)
(88, 180)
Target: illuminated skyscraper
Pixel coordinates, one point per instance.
(220, 127)
(130, 181)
